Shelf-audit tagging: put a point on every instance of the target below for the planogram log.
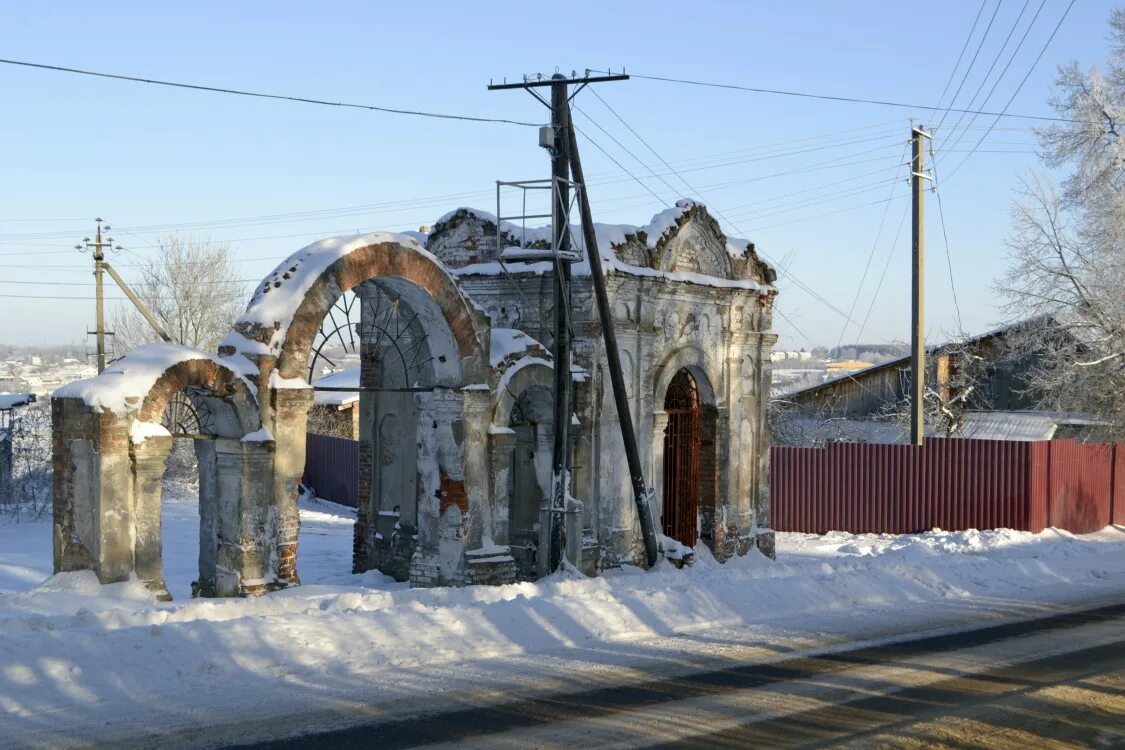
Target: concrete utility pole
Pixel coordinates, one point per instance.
(98, 247)
(559, 142)
(918, 286)
(101, 266)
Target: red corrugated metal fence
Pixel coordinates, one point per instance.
(949, 484)
(332, 468)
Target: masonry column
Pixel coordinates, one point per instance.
(113, 512)
(148, 493)
(287, 454)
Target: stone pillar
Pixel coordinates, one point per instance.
(476, 409)
(148, 494)
(249, 558)
(287, 455)
(500, 446)
(206, 458)
(228, 519)
(659, 425)
(113, 503)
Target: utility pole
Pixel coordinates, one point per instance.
(559, 141)
(641, 495)
(101, 266)
(918, 286)
(98, 247)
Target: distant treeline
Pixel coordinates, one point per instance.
(873, 353)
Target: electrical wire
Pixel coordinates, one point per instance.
(855, 100)
(965, 77)
(961, 56)
(789, 275)
(945, 238)
(1018, 88)
(882, 277)
(1003, 72)
(875, 244)
(260, 95)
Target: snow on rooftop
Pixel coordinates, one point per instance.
(12, 400)
(507, 342)
(609, 236)
(126, 381)
(348, 378)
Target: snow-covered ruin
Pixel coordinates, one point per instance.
(456, 376)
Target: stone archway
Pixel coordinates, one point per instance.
(688, 439)
(110, 452)
(448, 415)
(529, 480)
(683, 452)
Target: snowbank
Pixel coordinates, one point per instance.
(93, 659)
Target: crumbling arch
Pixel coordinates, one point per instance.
(318, 275)
(522, 433)
(443, 404)
(110, 454)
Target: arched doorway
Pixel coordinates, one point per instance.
(531, 419)
(683, 444)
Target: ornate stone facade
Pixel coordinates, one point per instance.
(454, 412)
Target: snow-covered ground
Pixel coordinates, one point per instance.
(83, 663)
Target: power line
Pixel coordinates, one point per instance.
(260, 95)
(961, 56)
(800, 284)
(423, 202)
(882, 276)
(874, 245)
(1018, 88)
(945, 238)
(965, 77)
(1003, 72)
(854, 100)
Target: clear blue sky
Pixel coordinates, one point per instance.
(140, 155)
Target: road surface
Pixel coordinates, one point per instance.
(1057, 681)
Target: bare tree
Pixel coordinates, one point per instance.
(954, 387)
(30, 436)
(193, 290)
(1068, 247)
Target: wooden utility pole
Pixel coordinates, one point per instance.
(641, 495)
(560, 233)
(918, 286)
(560, 143)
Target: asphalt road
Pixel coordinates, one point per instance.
(1057, 681)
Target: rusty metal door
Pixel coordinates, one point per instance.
(683, 445)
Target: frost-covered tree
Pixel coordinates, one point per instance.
(191, 287)
(30, 489)
(1067, 246)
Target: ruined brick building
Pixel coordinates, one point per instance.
(455, 410)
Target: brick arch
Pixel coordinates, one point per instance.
(384, 259)
(698, 363)
(205, 373)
